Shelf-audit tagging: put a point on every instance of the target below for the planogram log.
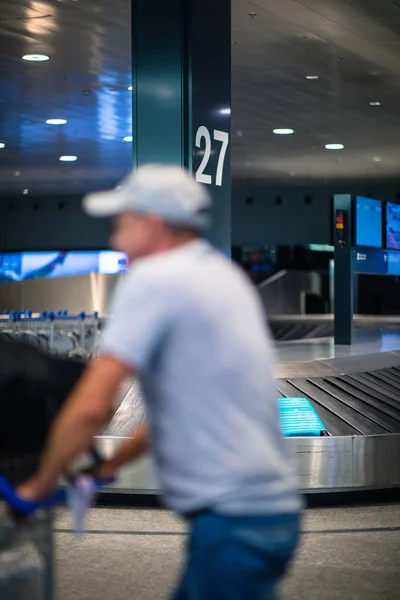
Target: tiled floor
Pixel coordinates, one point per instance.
(347, 554)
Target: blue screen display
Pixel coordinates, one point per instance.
(31, 265)
(393, 226)
(368, 222)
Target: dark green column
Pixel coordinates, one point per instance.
(182, 94)
(343, 278)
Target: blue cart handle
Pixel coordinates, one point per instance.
(28, 507)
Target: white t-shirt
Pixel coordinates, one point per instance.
(193, 328)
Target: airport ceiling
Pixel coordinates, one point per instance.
(351, 49)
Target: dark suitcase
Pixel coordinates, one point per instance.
(33, 387)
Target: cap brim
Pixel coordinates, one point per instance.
(104, 204)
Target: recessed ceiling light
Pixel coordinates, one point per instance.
(36, 57)
(130, 88)
(312, 77)
(283, 131)
(25, 192)
(2, 145)
(377, 159)
(56, 121)
(225, 111)
(375, 103)
(17, 173)
(68, 158)
(128, 138)
(334, 146)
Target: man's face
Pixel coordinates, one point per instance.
(134, 234)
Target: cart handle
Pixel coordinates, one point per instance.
(28, 507)
(23, 506)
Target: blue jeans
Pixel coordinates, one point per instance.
(237, 558)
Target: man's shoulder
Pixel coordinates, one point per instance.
(187, 272)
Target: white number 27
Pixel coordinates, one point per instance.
(219, 136)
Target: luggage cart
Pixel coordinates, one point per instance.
(26, 548)
(27, 558)
(74, 336)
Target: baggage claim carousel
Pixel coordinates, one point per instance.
(357, 399)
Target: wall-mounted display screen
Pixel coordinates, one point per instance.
(393, 226)
(369, 262)
(31, 265)
(258, 259)
(368, 222)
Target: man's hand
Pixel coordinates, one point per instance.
(88, 409)
(106, 471)
(30, 490)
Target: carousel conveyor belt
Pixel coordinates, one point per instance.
(349, 404)
(355, 404)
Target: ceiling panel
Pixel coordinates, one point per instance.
(356, 57)
(86, 82)
(352, 46)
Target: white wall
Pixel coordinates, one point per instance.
(87, 293)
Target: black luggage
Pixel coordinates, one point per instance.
(33, 387)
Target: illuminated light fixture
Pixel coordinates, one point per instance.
(334, 146)
(128, 138)
(36, 57)
(375, 103)
(377, 159)
(130, 88)
(25, 192)
(2, 145)
(283, 131)
(312, 77)
(68, 158)
(225, 111)
(56, 121)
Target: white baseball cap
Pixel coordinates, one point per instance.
(167, 191)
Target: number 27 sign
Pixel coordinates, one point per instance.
(222, 137)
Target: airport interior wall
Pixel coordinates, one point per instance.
(286, 215)
(261, 214)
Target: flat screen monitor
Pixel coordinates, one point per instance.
(368, 222)
(393, 226)
(20, 266)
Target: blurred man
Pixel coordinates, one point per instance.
(188, 323)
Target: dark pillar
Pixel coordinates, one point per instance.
(182, 94)
(343, 279)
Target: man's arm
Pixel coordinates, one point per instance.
(87, 410)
